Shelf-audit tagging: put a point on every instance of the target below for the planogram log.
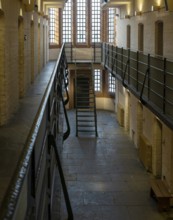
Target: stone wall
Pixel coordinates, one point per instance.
(19, 43)
(148, 19)
(143, 122)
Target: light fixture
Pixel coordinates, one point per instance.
(155, 8)
(138, 13)
(127, 16)
(21, 12)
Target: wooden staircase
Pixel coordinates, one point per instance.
(86, 117)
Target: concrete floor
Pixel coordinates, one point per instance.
(105, 178)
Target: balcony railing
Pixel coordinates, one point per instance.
(30, 194)
(149, 78)
(92, 54)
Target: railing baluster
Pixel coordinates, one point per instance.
(52, 142)
(149, 76)
(164, 86)
(137, 71)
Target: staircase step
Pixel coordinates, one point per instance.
(86, 130)
(85, 126)
(89, 121)
(89, 109)
(87, 97)
(85, 101)
(85, 106)
(85, 116)
(83, 88)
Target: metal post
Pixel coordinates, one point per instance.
(71, 52)
(112, 56)
(116, 60)
(128, 66)
(121, 61)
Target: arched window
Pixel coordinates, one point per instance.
(128, 36)
(54, 26)
(111, 28)
(67, 22)
(140, 37)
(81, 19)
(159, 38)
(95, 21)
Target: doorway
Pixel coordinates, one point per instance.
(157, 149)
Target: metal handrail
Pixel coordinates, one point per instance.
(65, 77)
(67, 133)
(143, 85)
(9, 204)
(124, 73)
(52, 142)
(140, 67)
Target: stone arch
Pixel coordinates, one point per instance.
(140, 37)
(21, 56)
(44, 46)
(127, 110)
(32, 52)
(39, 48)
(139, 121)
(157, 148)
(3, 98)
(128, 37)
(159, 38)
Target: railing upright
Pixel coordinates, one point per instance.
(122, 60)
(156, 98)
(52, 142)
(137, 71)
(164, 86)
(128, 66)
(149, 76)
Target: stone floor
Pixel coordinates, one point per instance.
(105, 178)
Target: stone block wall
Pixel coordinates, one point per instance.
(148, 19)
(143, 122)
(20, 61)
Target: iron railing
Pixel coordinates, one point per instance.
(149, 78)
(31, 190)
(93, 54)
